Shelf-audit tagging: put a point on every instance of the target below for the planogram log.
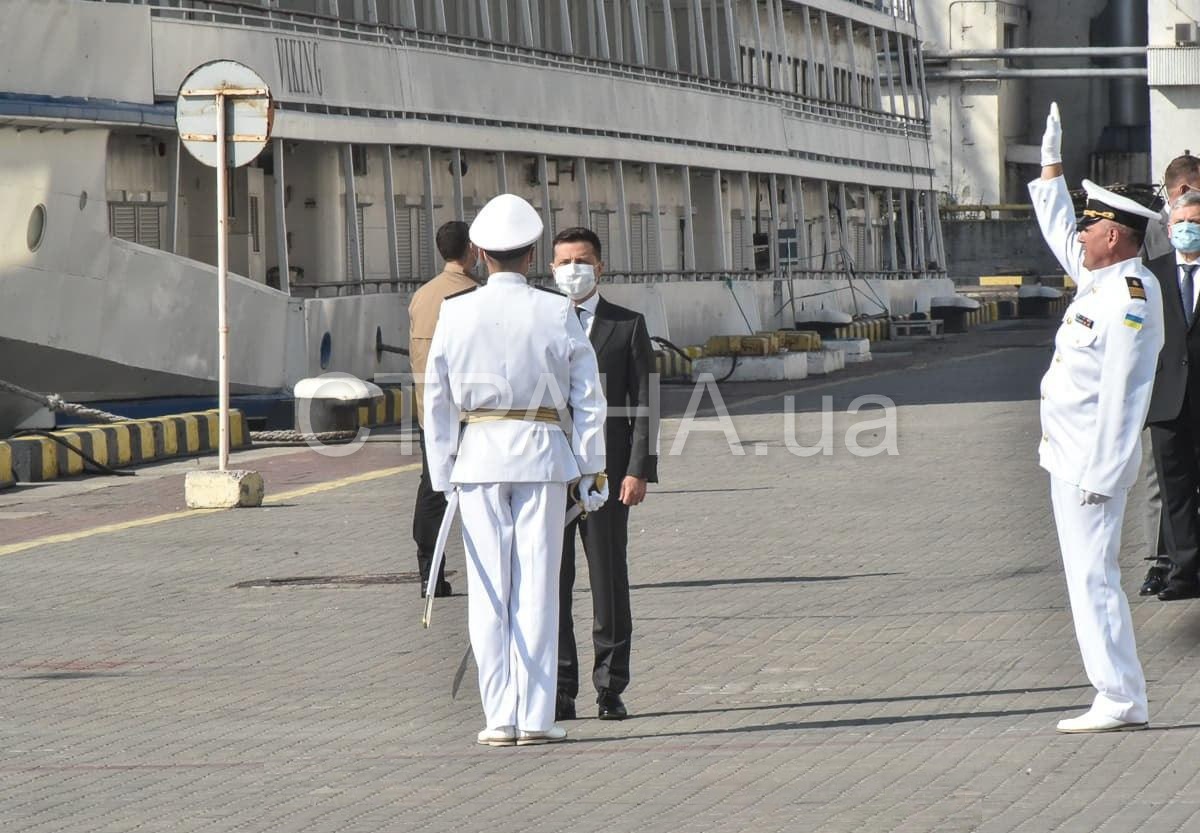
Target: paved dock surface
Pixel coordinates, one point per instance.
(830, 643)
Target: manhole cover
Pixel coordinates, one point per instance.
(371, 580)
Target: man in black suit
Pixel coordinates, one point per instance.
(1182, 175)
(1174, 416)
(626, 360)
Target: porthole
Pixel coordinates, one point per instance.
(326, 350)
(37, 228)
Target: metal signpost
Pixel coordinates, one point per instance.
(223, 113)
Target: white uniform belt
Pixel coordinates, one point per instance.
(549, 415)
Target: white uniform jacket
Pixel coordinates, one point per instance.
(510, 346)
(1096, 393)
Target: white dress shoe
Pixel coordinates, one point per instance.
(552, 735)
(500, 736)
(1092, 722)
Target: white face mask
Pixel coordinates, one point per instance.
(576, 279)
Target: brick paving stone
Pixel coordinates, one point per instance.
(827, 643)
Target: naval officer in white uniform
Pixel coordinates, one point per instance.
(1095, 397)
(506, 362)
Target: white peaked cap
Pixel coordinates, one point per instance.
(507, 222)
(1117, 202)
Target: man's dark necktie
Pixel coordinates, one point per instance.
(1187, 291)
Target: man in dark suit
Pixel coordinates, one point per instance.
(1182, 175)
(1174, 416)
(626, 359)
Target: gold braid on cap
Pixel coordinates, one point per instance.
(1100, 215)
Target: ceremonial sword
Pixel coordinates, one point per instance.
(439, 555)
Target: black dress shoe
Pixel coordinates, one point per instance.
(611, 707)
(440, 592)
(564, 707)
(1155, 582)
(1176, 590)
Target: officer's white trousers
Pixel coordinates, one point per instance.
(1090, 539)
(513, 534)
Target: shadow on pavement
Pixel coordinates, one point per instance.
(724, 582)
(864, 701)
(847, 723)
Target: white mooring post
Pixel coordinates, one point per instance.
(223, 113)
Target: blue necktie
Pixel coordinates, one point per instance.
(1187, 291)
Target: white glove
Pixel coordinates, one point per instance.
(590, 498)
(1052, 138)
(1091, 498)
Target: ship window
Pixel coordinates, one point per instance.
(350, 273)
(412, 241)
(37, 228)
(599, 223)
(326, 351)
(358, 159)
(643, 243)
(255, 240)
(136, 222)
(542, 257)
(738, 239)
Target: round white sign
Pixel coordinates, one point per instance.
(244, 98)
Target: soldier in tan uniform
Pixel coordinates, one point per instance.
(460, 254)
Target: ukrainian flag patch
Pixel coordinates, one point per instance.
(1133, 321)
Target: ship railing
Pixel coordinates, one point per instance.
(785, 273)
(233, 12)
(406, 286)
(343, 289)
(1001, 211)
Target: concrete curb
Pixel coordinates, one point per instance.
(37, 459)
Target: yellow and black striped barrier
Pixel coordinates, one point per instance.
(6, 470)
(988, 312)
(392, 408)
(671, 365)
(875, 329)
(39, 458)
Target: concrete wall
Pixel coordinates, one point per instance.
(996, 247)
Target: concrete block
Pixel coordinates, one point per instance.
(821, 362)
(850, 346)
(795, 366)
(34, 459)
(748, 369)
(223, 489)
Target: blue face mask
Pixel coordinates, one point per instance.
(1185, 237)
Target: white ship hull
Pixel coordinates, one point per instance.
(724, 200)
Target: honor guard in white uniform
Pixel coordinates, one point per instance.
(507, 363)
(1095, 397)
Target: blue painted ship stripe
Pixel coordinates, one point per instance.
(87, 109)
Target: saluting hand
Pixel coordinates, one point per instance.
(633, 490)
(1052, 138)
